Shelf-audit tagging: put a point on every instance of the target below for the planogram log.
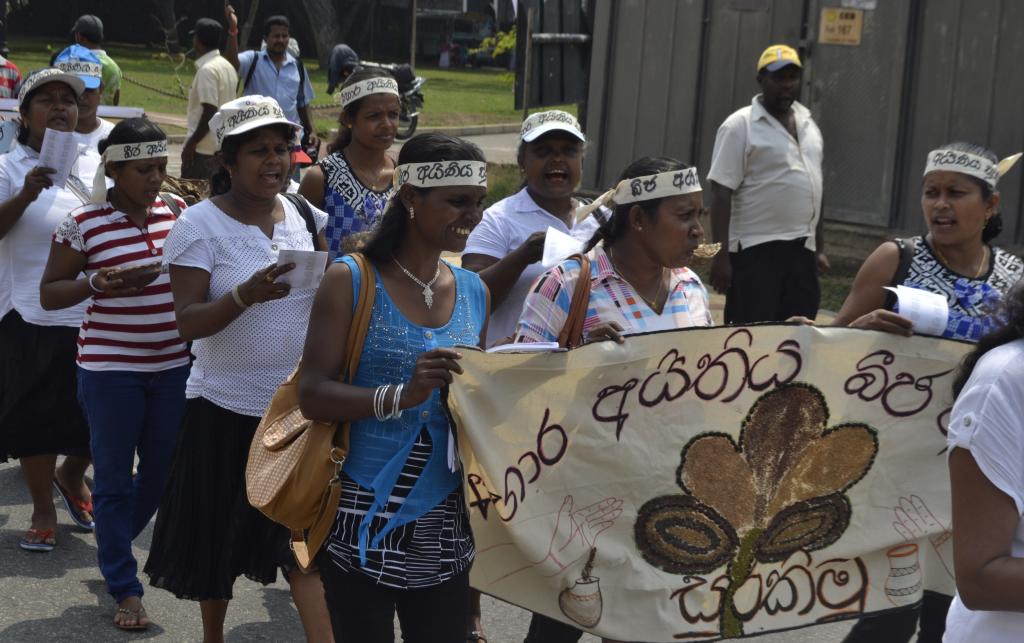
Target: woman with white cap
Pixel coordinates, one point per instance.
(247, 326)
(353, 182)
(635, 269)
(132, 363)
(39, 412)
(507, 246)
(955, 259)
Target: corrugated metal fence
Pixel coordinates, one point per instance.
(665, 73)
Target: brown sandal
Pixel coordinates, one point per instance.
(138, 614)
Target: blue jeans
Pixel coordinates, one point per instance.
(128, 412)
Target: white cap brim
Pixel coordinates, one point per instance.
(546, 128)
(73, 81)
(260, 122)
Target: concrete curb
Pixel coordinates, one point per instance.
(474, 130)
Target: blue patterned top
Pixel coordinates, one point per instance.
(973, 302)
(351, 206)
(378, 451)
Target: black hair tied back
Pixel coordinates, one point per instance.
(616, 225)
(423, 148)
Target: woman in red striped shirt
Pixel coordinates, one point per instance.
(132, 364)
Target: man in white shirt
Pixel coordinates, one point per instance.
(85, 64)
(213, 85)
(766, 186)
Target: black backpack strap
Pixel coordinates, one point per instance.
(249, 74)
(302, 81)
(302, 205)
(171, 203)
(907, 248)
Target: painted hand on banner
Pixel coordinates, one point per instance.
(577, 531)
(914, 520)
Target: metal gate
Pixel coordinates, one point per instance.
(665, 73)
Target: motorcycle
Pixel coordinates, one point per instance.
(410, 96)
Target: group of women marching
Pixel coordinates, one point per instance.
(134, 327)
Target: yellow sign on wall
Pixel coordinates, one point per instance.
(841, 26)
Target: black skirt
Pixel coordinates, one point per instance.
(39, 410)
(207, 534)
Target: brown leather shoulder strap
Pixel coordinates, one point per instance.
(572, 332)
(361, 317)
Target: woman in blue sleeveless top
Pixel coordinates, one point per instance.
(401, 539)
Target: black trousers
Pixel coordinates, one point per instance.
(363, 611)
(548, 630)
(899, 627)
(772, 282)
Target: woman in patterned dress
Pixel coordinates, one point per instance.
(953, 259)
(353, 183)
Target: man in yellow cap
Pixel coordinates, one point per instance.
(766, 185)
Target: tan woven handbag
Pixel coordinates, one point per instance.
(293, 467)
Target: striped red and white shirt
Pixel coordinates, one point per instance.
(137, 332)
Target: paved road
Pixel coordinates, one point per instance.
(60, 596)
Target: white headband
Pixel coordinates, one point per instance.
(646, 188)
(125, 152)
(364, 88)
(441, 174)
(970, 164)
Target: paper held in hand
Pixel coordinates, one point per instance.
(558, 246)
(929, 311)
(59, 151)
(309, 267)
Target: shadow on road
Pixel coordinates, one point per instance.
(283, 625)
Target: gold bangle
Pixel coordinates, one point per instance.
(238, 298)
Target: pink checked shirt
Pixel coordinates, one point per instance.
(612, 298)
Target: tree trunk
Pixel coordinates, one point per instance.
(245, 31)
(164, 15)
(324, 20)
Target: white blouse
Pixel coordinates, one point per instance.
(26, 247)
(988, 421)
(240, 367)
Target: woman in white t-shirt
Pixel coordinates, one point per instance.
(39, 412)
(507, 246)
(986, 470)
(247, 327)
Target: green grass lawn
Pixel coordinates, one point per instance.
(451, 97)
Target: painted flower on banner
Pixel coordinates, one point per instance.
(780, 490)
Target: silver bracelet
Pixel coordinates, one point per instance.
(396, 411)
(378, 402)
(92, 285)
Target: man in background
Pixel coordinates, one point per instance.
(85, 64)
(212, 86)
(766, 185)
(274, 72)
(88, 32)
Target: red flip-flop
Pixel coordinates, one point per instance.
(43, 540)
(75, 506)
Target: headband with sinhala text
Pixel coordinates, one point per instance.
(125, 152)
(441, 174)
(970, 164)
(364, 88)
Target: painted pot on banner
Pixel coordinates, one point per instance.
(903, 584)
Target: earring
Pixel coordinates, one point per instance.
(412, 213)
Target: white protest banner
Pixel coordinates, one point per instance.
(710, 483)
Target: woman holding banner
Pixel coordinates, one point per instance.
(986, 448)
(401, 539)
(960, 202)
(638, 281)
(954, 259)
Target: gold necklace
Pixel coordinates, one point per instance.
(981, 266)
(661, 284)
